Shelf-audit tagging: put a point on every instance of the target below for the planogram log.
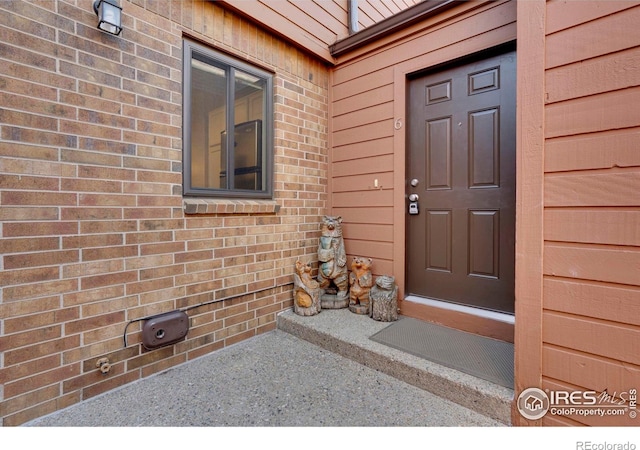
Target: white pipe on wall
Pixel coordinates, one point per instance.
(353, 16)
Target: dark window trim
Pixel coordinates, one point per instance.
(189, 47)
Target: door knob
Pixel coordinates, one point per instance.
(413, 197)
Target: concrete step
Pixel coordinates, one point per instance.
(347, 334)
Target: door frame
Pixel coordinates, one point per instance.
(470, 319)
(530, 35)
(480, 57)
(401, 75)
(529, 185)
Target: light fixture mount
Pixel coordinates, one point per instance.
(109, 15)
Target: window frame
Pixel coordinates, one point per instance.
(189, 48)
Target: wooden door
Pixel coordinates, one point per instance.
(461, 150)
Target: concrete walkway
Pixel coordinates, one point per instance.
(273, 380)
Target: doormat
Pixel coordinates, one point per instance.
(483, 357)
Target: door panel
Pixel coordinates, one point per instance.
(438, 150)
(461, 149)
(484, 243)
(484, 149)
(439, 243)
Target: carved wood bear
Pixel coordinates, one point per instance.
(306, 291)
(360, 282)
(333, 257)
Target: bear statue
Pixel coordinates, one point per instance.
(332, 267)
(306, 291)
(360, 282)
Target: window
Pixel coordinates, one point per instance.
(228, 126)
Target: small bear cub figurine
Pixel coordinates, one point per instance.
(306, 291)
(360, 282)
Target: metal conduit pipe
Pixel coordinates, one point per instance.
(353, 16)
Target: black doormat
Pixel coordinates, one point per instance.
(483, 357)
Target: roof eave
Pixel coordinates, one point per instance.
(390, 25)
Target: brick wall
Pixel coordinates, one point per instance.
(95, 233)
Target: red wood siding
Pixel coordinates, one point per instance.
(316, 24)
(579, 177)
(373, 11)
(591, 304)
(364, 141)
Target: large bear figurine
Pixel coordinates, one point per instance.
(332, 267)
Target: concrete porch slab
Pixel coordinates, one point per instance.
(347, 334)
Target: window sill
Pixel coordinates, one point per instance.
(220, 206)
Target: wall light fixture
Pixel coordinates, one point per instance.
(109, 15)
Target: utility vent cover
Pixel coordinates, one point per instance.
(165, 329)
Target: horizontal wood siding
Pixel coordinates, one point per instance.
(467, 22)
(373, 11)
(591, 305)
(584, 152)
(363, 121)
(316, 24)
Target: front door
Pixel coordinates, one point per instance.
(461, 167)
